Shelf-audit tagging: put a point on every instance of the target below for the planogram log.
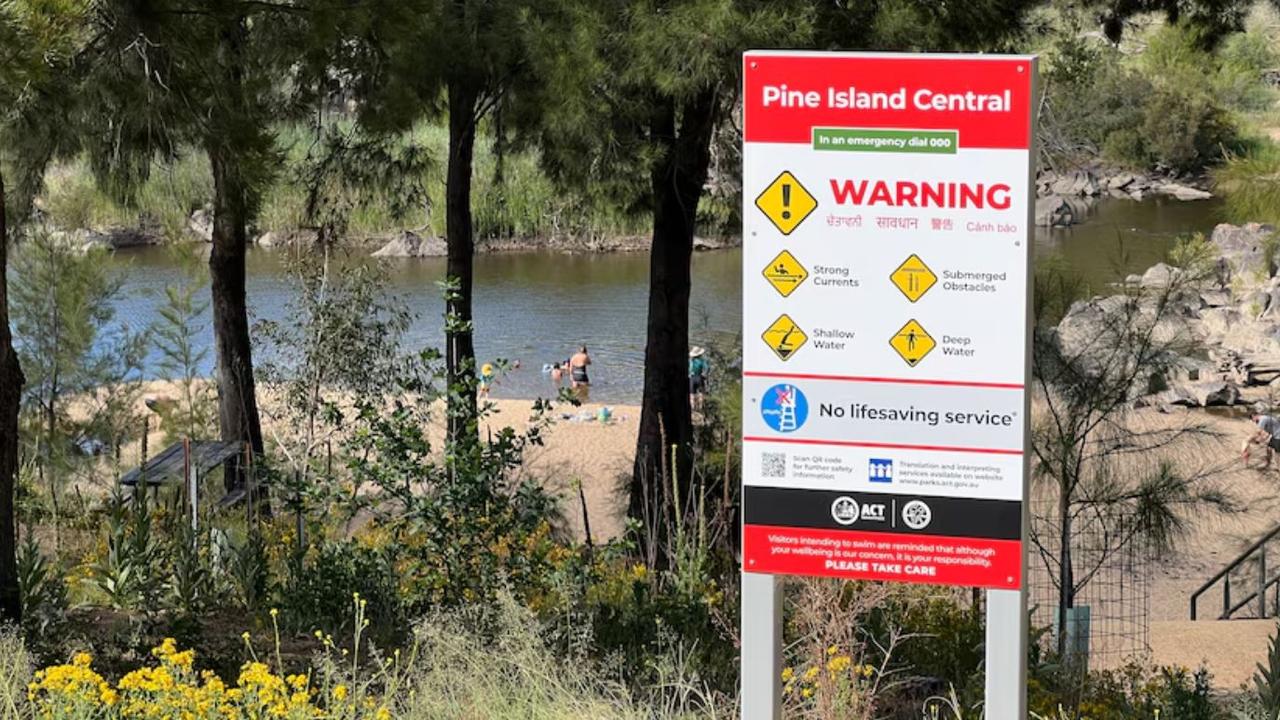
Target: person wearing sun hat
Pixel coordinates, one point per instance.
(698, 370)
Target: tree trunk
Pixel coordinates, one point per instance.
(11, 381)
(666, 425)
(237, 401)
(460, 353)
(1066, 577)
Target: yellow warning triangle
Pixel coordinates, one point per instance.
(913, 278)
(785, 273)
(784, 337)
(912, 342)
(786, 202)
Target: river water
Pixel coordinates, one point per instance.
(537, 307)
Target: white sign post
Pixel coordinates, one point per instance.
(887, 229)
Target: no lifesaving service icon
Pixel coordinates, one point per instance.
(786, 203)
(784, 337)
(785, 273)
(912, 343)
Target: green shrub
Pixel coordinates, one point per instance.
(1184, 129)
(1169, 110)
(1130, 692)
(318, 594)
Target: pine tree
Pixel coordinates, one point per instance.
(470, 62)
(167, 76)
(662, 79)
(182, 357)
(61, 299)
(38, 42)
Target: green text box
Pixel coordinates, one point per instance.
(938, 142)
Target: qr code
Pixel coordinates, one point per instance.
(773, 465)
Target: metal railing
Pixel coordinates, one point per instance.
(1256, 552)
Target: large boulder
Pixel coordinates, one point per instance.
(1183, 192)
(409, 244)
(1160, 275)
(1216, 298)
(1055, 211)
(201, 224)
(1120, 180)
(286, 238)
(1252, 337)
(1243, 247)
(1261, 369)
(1080, 183)
(1215, 393)
(1179, 395)
(1216, 322)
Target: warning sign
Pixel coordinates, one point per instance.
(785, 273)
(886, 197)
(913, 278)
(784, 337)
(912, 342)
(786, 203)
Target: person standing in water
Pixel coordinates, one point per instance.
(578, 377)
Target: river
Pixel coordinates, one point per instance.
(537, 307)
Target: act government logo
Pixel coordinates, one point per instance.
(784, 408)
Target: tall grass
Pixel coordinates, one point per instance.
(15, 673)
(514, 676)
(1250, 183)
(162, 204)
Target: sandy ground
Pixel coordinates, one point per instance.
(596, 456)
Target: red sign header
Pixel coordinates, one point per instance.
(987, 100)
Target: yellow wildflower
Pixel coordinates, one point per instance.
(788, 674)
(839, 664)
(340, 693)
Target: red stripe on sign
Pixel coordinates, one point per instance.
(890, 446)
(899, 381)
(853, 555)
(937, 93)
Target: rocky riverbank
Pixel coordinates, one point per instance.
(1064, 198)
(406, 243)
(1213, 328)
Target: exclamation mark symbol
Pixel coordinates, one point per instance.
(786, 201)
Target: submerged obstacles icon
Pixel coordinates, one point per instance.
(784, 408)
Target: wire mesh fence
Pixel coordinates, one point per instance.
(1110, 572)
